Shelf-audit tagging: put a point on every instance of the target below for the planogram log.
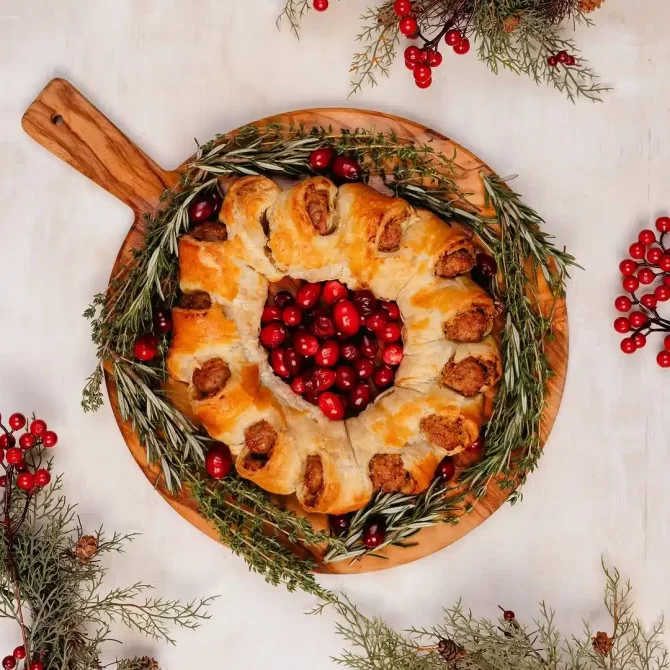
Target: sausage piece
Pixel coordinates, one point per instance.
(260, 437)
(211, 377)
(452, 264)
(317, 204)
(448, 433)
(313, 477)
(389, 240)
(469, 326)
(387, 473)
(467, 376)
(197, 300)
(210, 232)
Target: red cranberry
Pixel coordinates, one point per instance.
(308, 295)
(375, 321)
(384, 376)
(273, 334)
(322, 327)
(368, 346)
(7, 441)
(339, 524)
(305, 344)
(37, 427)
(392, 354)
(446, 469)
(349, 351)
(42, 477)
(278, 363)
(27, 441)
(453, 37)
(346, 316)
(293, 361)
(487, 265)
(14, 456)
(462, 47)
(26, 481)
(342, 337)
(219, 461)
(8, 663)
(284, 299)
(324, 378)
(146, 347)
(374, 532)
(365, 301)
(346, 169)
(312, 397)
(202, 208)
(364, 368)
(359, 398)
(391, 308)
(270, 313)
(345, 378)
(19, 653)
(49, 439)
(434, 58)
(298, 385)
(292, 315)
(331, 405)
(389, 332)
(328, 353)
(333, 291)
(163, 321)
(320, 159)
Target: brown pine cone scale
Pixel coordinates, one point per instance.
(587, 6)
(85, 549)
(602, 643)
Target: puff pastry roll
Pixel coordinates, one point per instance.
(438, 416)
(304, 232)
(200, 331)
(244, 214)
(331, 480)
(448, 247)
(207, 265)
(408, 470)
(469, 368)
(373, 228)
(433, 308)
(270, 457)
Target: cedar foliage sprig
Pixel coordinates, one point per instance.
(517, 35)
(246, 517)
(465, 642)
(71, 615)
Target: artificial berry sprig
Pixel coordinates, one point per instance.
(23, 476)
(561, 58)
(649, 261)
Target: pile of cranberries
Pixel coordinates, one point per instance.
(335, 347)
(649, 260)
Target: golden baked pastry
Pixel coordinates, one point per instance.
(248, 326)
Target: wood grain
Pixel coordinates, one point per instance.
(96, 148)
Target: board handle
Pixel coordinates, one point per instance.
(65, 123)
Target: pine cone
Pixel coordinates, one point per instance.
(511, 23)
(148, 663)
(602, 643)
(85, 549)
(587, 6)
(450, 650)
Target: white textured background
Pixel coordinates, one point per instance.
(168, 70)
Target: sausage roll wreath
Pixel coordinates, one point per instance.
(391, 438)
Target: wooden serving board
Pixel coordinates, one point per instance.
(68, 125)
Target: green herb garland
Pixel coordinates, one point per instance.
(245, 516)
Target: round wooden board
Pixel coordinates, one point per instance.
(64, 122)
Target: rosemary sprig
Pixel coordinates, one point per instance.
(404, 516)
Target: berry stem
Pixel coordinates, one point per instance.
(432, 43)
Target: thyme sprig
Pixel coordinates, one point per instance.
(247, 518)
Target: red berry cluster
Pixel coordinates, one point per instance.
(19, 654)
(649, 260)
(421, 61)
(407, 24)
(333, 346)
(204, 207)
(561, 58)
(35, 434)
(455, 39)
(341, 168)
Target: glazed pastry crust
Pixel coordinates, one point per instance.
(315, 231)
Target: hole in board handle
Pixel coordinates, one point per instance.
(57, 120)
